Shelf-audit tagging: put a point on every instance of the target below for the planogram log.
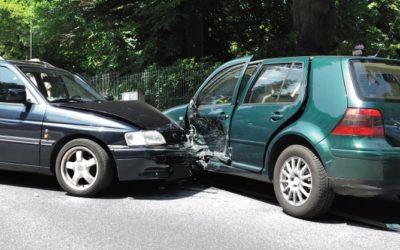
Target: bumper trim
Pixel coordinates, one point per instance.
(117, 147)
(375, 155)
(364, 188)
(145, 163)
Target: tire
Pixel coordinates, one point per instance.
(301, 183)
(83, 168)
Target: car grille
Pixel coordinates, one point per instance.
(174, 136)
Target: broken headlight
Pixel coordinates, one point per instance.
(144, 137)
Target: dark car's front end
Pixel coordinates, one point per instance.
(147, 146)
(159, 153)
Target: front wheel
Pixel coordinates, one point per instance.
(83, 168)
(301, 184)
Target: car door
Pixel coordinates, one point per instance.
(211, 111)
(20, 122)
(273, 96)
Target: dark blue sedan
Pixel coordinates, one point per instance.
(52, 122)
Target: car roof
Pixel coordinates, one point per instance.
(30, 63)
(344, 57)
(39, 64)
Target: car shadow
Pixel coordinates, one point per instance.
(378, 213)
(154, 190)
(146, 190)
(29, 180)
(381, 213)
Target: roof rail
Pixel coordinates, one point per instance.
(46, 64)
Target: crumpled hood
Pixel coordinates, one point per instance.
(138, 113)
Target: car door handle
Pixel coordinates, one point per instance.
(276, 116)
(222, 116)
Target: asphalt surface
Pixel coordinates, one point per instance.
(36, 214)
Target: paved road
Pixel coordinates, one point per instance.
(36, 214)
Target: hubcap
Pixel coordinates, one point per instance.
(79, 168)
(295, 181)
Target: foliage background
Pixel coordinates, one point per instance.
(92, 36)
(130, 36)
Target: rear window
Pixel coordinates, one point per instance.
(376, 80)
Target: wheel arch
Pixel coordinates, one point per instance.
(60, 143)
(280, 144)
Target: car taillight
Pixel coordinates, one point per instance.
(360, 122)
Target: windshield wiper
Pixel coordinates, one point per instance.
(68, 100)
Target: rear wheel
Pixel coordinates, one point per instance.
(301, 184)
(83, 168)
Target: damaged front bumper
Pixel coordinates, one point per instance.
(148, 163)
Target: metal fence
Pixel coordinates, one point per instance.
(162, 88)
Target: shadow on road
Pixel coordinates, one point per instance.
(154, 190)
(377, 212)
(147, 190)
(29, 180)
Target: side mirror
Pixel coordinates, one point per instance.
(109, 97)
(16, 95)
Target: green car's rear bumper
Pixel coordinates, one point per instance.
(361, 166)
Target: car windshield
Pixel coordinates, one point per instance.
(377, 79)
(60, 86)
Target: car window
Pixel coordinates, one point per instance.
(276, 83)
(291, 87)
(60, 86)
(221, 87)
(9, 82)
(377, 80)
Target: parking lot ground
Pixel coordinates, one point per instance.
(36, 214)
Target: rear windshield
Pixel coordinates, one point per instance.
(377, 80)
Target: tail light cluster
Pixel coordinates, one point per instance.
(361, 122)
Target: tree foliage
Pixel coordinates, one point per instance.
(129, 35)
(15, 19)
(368, 23)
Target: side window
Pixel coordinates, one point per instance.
(276, 83)
(291, 87)
(221, 87)
(9, 83)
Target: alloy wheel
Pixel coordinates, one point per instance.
(295, 181)
(79, 168)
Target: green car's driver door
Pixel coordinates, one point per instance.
(211, 109)
(272, 97)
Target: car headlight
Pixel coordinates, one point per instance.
(144, 137)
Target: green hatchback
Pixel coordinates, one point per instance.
(313, 126)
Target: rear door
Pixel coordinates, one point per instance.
(213, 104)
(272, 97)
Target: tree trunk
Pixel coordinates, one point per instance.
(315, 22)
(194, 28)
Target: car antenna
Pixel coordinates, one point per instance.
(390, 31)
